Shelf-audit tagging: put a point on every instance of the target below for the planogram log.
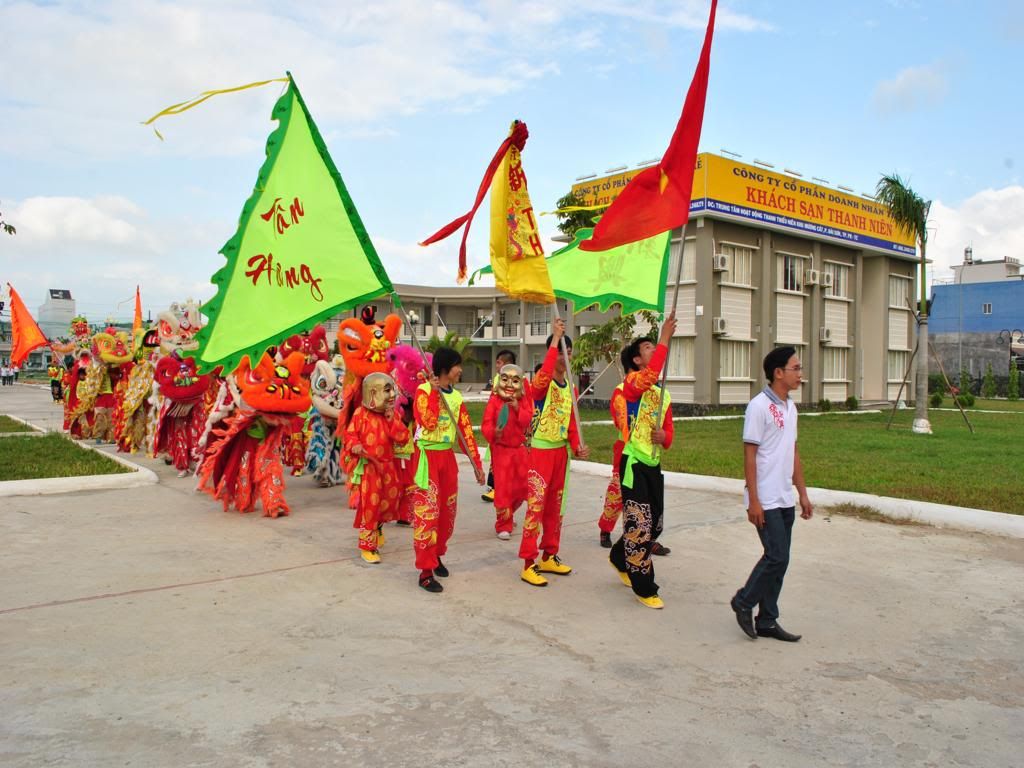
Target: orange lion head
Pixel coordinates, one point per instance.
(274, 387)
(364, 343)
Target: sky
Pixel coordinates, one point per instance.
(414, 96)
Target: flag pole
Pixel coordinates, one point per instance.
(396, 301)
(675, 302)
(568, 374)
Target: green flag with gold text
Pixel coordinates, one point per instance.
(300, 255)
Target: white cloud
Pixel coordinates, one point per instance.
(912, 88)
(991, 222)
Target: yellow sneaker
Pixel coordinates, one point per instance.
(370, 557)
(532, 577)
(652, 602)
(553, 564)
(622, 575)
(488, 496)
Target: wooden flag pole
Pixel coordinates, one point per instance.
(397, 302)
(568, 375)
(675, 302)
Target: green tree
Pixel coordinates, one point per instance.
(605, 342)
(460, 344)
(570, 221)
(5, 227)
(1013, 386)
(988, 384)
(910, 212)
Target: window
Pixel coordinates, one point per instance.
(899, 293)
(734, 360)
(898, 365)
(791, 272)
(835, 364)
(680, 358)
(740, 263)
(840, 280)
(689, 251)
(539, 316)
(986, 309)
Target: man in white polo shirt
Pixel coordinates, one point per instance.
(771, 464)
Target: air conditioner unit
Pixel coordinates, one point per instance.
(721, 262)
(826, 279)
(718, 325)
(824, 335)
(811, 276)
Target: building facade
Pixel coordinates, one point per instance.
(977, 319)
(770, 259)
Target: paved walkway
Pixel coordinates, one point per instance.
(148, 628)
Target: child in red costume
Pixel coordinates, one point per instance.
(437, 473)
(556, 432)
(506, 423)
(375, 491)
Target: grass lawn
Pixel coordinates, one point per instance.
(988, 405)
(856, 453)
(7, 424)
(52, 455)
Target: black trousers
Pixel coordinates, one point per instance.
(764, 585)
(643, 508)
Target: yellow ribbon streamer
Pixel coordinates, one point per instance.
(571, 208)
(177, 109)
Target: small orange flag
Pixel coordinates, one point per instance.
(137, 322)
(26, 333)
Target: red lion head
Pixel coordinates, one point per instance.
(178, 379)
(312, 345)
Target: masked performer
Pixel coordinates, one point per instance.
(506, 423)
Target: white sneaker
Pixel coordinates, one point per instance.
(504, 535)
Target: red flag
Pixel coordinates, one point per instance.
(658, 198)
(518, 137)
(137, 322)
(27, 335)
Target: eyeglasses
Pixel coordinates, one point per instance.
(794, 368)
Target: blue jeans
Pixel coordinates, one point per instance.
(765, 582)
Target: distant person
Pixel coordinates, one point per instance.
(14, 371)
(5, 374)
(771, 466)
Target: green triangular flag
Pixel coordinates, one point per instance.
(631, 275)
(300, 255)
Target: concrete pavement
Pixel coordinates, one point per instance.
(145, 627)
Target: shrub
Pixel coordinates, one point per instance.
(988, 384)
(936, 383)
(966, 383)
(936, 399)
(852, 403)
(1013, 387)
(824, 405)
(966, 399)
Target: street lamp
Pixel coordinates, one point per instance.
(1006, 336)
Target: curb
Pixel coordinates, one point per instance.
(139, 476)
(939, 515)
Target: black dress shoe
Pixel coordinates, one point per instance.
(745, 618)
(441, 570)
(778, 633)
(606, 540)
(658, 549)
(431, 585)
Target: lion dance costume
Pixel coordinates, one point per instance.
(506, 423)
(243, 463)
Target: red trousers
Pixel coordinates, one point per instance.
(510, 466)
(406, 471)
(612, 504)
(434, 508)
(379, 496)
(546, 481)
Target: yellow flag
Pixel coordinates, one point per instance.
(517, 254)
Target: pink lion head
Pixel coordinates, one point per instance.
(406, 368)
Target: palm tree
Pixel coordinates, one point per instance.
(460, 344)
(910, 212)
